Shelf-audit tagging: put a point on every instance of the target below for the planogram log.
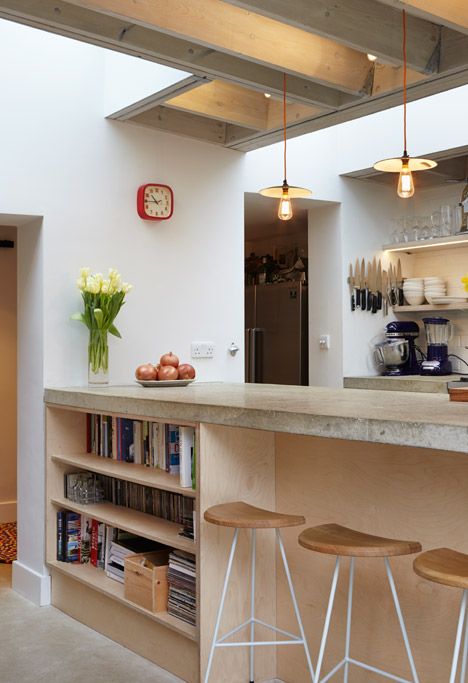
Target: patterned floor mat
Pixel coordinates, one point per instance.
(8, 542)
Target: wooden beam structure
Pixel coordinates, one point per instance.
(237, 50)
(219, 25)
(452, 13)
(364, 25)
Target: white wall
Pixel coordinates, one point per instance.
(62, 160)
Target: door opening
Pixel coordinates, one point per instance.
(276, 298)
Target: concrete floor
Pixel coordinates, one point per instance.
(43, 645)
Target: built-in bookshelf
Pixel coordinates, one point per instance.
(68, 444)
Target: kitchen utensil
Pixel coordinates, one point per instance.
(399, 284)
(391, 289)
(357, 283)
(351, 287)
(414, 299)
(385, 292)
(379, 286)
(374, 297)
(363, 286)
(164, 382)
(369, 282)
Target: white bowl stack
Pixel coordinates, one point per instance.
(413, 289)
(434, 287)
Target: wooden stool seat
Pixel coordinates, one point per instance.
(334, 539)
(243, 516)
(443, 566)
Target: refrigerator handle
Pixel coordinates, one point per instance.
(256, 354)
(252, 355)
(248, 331)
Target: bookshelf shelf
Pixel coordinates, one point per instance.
(135, 522)
(138, 474)
(97, 579)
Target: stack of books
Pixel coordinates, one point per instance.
(182, 587)
(163, 446)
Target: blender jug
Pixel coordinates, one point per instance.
(438, 333)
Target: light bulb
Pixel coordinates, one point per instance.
(285, 212)
(405, 182)
(371, 58)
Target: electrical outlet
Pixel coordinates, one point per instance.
(202, 349)
(324, 342)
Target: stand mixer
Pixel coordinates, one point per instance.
(398, 353)
(438, 334)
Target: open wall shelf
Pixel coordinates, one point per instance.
(427, 308)
(440, 243)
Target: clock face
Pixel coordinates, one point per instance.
(155, 202)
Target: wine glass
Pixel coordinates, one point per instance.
(436, 224)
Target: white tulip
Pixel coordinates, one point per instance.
(81, 283)
(92, 285)
(105, 287)
(126, 287)
(84, 272)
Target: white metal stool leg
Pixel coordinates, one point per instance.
(465, 653)
(456, 650)
(331, 600)
(252, 605)
(221, 604)
(348, 618)
(296, 608)
(401, 620)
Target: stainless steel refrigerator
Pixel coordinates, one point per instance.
(276, 335)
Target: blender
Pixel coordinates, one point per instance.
(438, 334)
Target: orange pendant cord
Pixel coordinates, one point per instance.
(284, 124)
(405, 153)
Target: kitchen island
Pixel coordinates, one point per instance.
(389, 463)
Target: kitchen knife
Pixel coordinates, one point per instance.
(357, 283)
(369, 283)
(363, 286)
(374, 286)
(399, 284)
(379, 286)
(385, 292)
(391, 283)
(351, 287)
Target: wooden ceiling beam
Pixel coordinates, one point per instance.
(239, 106)
(188, 125)
(92, 27)
(236, 31)
(451, 13)
(364, 25)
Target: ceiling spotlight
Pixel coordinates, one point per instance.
(371, 58)
(267, 94)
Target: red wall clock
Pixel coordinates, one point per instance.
(155, 202)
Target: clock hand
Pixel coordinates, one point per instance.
(156, 200)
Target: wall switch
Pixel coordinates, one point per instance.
(324, 342)
(202, 349)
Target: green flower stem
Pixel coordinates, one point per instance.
(98, 350)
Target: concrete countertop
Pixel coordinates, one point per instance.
(401, 418)
(416, 383)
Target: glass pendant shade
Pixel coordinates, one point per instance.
(276, 191)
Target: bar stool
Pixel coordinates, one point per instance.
(449, 568)
(333, 539)
(240, 515)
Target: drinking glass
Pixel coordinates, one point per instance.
(447, 216)
(395, 231)
(425, 228)
(436, 224)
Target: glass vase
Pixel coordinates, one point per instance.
(98, 358)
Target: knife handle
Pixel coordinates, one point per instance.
(363, 300)
(375, 303)
(369, 297)
(401, 297)
(393, 299)
(358, 297)
(379, 301)
(353, 304)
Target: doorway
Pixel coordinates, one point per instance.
(276, 298)
(8, 392)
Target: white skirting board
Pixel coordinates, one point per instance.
(7, 511)
(30, 584)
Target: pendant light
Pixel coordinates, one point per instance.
(404, 165)
(285, 192)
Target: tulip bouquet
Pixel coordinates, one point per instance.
(103, 298)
